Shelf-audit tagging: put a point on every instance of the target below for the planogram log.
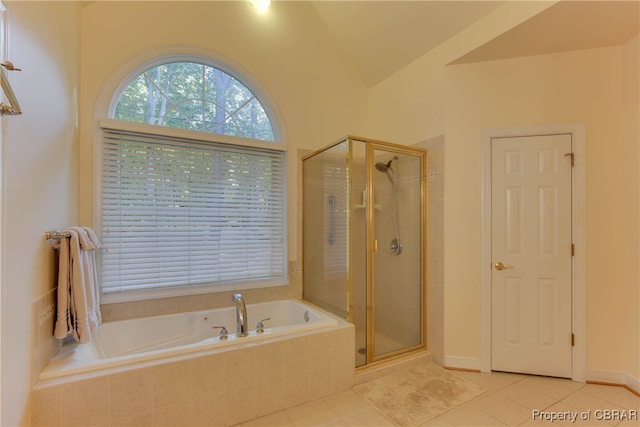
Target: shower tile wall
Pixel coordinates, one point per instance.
(435, 246)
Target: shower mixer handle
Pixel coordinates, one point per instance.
(223, 331)
(260, 325)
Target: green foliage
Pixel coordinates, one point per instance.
(194, 96)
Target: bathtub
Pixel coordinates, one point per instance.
(175, 369)
(167, 337)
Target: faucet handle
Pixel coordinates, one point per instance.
(260, 325)
(223, 331)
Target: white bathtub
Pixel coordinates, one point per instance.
(138, 341)
(174, 369)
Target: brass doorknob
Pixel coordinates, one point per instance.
(501, 266)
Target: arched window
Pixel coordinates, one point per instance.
(200, 207)
(194, 96)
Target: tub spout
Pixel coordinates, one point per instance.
(241, 315)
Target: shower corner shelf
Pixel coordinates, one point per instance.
(362, 207)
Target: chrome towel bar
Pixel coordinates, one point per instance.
(56, 234)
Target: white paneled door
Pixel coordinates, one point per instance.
(531, 255)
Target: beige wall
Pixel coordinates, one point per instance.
(584, 86)
(39, 178)
(631, 111)
(408, 107)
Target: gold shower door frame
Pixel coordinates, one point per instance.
(372, 247)
(371, 146)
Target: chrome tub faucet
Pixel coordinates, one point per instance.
(241, 315)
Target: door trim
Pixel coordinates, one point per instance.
(578, 203)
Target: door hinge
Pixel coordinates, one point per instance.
(573, 158)
(573, 249)
(573, 340)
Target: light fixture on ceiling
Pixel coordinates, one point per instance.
(260, 5)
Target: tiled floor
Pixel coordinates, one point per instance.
(510, 400)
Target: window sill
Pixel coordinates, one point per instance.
(179, 291)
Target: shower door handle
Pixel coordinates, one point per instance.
(375, 246)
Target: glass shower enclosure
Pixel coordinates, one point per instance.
(364, 242)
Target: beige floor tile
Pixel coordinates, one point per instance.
(366, 418)
(491, 381)
(619, 396)
(526, 397)
(588, 403)
(442, 421)
(584, 401)
(558, 388)
(541, 417)
(314, 413)
(139, 420)
(510, 401)
(346, 403)
(469, 415)
(630, 422)
(277, 419)
(505, 410)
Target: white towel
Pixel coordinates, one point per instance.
(78, 311)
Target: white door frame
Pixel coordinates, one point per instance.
(578, 203)
(4, 49)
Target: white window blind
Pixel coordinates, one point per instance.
(178, 212)
(336, 217)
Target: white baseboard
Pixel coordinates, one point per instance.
(606, 376)
(633, 383)
(619, 378)
(457, 362)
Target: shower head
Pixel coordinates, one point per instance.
(386, 168)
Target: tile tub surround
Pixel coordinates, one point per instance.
(224, 388)
(45, 346)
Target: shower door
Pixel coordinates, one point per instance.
(364, 242)
(396, 237)
(326, 229)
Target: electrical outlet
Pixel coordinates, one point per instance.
(46, 313)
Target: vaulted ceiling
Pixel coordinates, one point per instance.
(381, 37)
